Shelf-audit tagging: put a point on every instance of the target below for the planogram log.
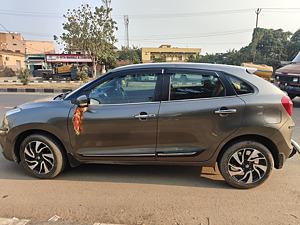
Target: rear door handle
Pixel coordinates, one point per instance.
(144, 116)
(225, 111)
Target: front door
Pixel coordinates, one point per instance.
(120, 122)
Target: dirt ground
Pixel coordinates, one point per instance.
(150, 194)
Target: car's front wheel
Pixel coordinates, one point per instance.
(42, 156)
(246, 164)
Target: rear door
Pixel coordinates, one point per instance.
(200, 111)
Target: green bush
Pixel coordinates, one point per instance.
(82, 75)
(23, 75)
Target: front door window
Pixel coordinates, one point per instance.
(125, 89)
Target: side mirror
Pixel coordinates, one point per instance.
(82, 101)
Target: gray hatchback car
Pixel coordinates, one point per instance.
(166, 113)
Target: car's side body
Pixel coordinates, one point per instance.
(175, 131)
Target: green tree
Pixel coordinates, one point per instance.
(160, 59)
(294, 46)
(296, 36)
(269, 45)
(134, 54)
(92, 31)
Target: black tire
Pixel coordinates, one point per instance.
(246, 164)
(42, 156)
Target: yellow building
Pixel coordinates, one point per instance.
(40, 47)
(13, 60)
(168, 53)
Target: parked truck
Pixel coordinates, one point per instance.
(287, 78)
(67, 72)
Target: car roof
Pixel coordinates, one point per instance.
(205, 66)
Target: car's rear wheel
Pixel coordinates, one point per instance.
(42, 156)
(246, 164)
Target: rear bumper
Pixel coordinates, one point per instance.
(296, 148)
(282, 140)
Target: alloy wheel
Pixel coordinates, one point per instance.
(247, 165)
(39, 157)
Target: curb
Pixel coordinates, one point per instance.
(41, 81)
(4, 221)
(35, 90)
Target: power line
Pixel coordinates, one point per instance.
(286, 9)
(209, 13)
(152, 16)
(199, 43)
(198, 35)
(161, 37)
(30, 14)
(33, 34)
(21, 41)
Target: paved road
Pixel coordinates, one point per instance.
(153, 194)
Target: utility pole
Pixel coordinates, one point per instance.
(257, 12)
(126, 23)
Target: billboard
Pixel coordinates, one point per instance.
(67, 58)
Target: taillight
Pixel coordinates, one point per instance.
(287, 104)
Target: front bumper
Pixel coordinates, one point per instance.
(6, 144)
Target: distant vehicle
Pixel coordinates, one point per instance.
(263, 71)
(67, 72)
(165, 114)
(288, 78)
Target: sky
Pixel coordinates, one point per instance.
(215, 26)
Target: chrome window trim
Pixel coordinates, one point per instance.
(197, 99)
(120, 104)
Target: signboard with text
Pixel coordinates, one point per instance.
(59, 58)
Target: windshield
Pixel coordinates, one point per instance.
(297, 58)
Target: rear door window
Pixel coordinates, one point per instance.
(193, 86)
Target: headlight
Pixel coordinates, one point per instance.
(277, 77)
(295, 79)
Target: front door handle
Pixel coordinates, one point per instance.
(225, 111)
